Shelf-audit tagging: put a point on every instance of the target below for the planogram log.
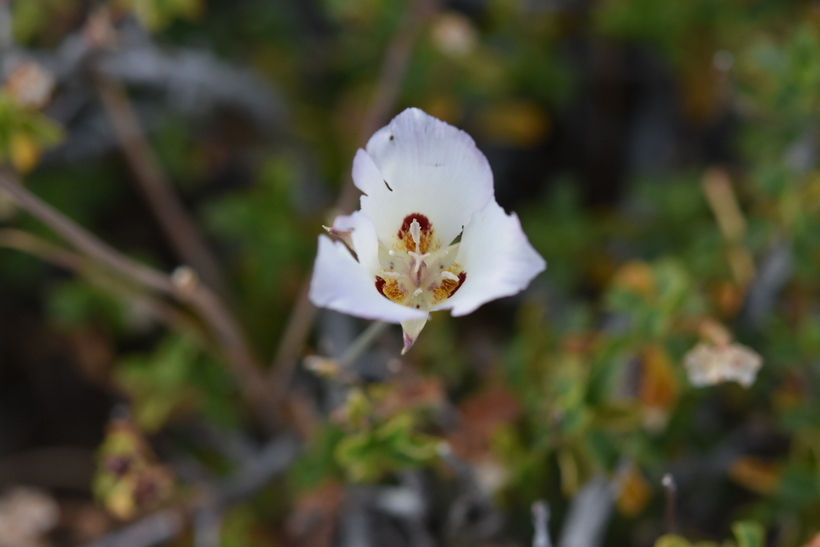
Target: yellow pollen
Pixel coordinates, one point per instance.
(393, 290)
(416, 271)
(449, 283)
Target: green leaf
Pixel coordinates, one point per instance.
(20, 125)
(160, 383)
(371, 454)
(749, 534)
(158, 14)
(671, 540)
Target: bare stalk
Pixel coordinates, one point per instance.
(391, 76)
(541, 520)
(588, 514)
(717, 187)
(153, 183)
(393, 70)
(25, 242)
(157, 308)
(670, 488)
(361, 343)
(216, 316)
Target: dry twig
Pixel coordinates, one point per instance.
(153, 182)
(670, 489)
(157, 308)
(589, 513)
(540, 520)
(391, 76)
(219, 320)
(717, 187)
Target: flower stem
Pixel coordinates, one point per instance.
(362, 343)
(670, 488)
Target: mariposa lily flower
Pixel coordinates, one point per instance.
(429, 235)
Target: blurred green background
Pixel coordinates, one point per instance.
(662, 157)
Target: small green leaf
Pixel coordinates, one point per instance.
(671, 540)
(160, 384)
(368, 455)
(749, 534)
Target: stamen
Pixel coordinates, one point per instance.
(415, 232)
(418, 272)
(449, 275)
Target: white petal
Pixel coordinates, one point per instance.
(366, 176)
(363, 239)
(497, 257)
(420, 164)
(344, 223)
(342, 284)
(410, 332)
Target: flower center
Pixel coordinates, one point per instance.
(417, 270)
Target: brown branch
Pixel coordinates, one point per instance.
(670, 489)
(540, 521)
(393, 70)
(219, 320)
(159, 309)
(391, 76)
(82, 240)
(25, 242)
(721, 197)
(153, 183)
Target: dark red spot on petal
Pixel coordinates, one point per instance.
(380, 286)
(461, 278)
(424, 224)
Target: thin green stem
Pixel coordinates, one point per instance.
(362, 343)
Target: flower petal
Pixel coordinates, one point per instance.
(497, 257)
(363, 239)
(342, 284)
(410, 332)
(419, 164)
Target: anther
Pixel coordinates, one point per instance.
(415, 232)
(449, 275)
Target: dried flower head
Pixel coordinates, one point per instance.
(718, 359)
(31, 84)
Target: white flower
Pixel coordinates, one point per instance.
(425, 184)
